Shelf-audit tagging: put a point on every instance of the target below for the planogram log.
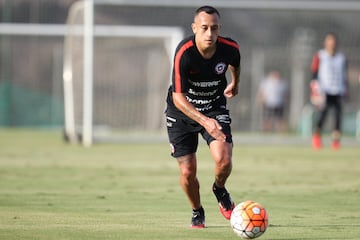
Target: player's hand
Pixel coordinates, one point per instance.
(214, 129)
(231, 90)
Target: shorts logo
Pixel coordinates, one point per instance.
(224, 118)
(170, 121)
(220, 68)
(172, 148)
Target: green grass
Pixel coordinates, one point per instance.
(51, 190)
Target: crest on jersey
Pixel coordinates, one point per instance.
(220, 68)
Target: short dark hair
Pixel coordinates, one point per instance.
(208, 10)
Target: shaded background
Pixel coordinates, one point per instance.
(125, 69)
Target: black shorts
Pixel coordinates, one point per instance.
(183, 132)
(331, 101)
(273, 112)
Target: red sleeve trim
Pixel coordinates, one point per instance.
(228, 42)
(177, 70)
(315, 63)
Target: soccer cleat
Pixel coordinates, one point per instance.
(226, 211)
(335, 144)
(198, 218)
(226, 204)
(316, 141)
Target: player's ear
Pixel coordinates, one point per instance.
(193, 27)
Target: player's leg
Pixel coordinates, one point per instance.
(188, 179)
(266, 125)
(191, 187)
(281, 125)
(336, 134)
(221, 153)
(316, 138)
(184, 141)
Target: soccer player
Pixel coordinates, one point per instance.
(272, 96)
(329, 69)
(196, 103)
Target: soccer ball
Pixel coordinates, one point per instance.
(249, 220)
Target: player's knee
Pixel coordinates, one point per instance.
(188, 170)
(188, 173)
(224, 163)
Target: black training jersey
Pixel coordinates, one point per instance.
(203, 80)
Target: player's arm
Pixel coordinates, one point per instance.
(314, 84)
(211, 125)
(315, 66)
(233, 87)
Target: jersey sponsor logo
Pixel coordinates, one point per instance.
(205, 105)
(202, 94)
(205, 108)
(205, 84)
(199, 101)
(220, 68)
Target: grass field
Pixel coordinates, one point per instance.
(51, 190)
